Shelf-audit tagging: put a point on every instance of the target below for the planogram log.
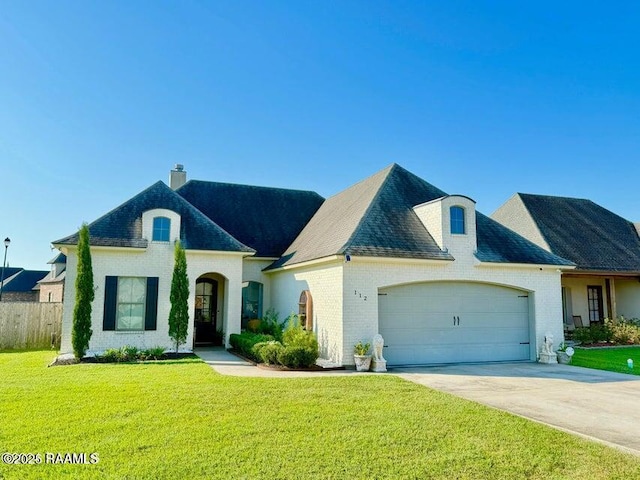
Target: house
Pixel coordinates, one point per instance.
(604, 247)
(52, 285)
(392, 254)
(20, 285)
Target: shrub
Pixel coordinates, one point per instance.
(179, 298)
(593, 334)
(268, 352)
(110, 355)
(153, 353)
(81, 330)
(300, 346)
(270, 325)
(296, 336)
(128, 353)
(626, 332)
(600, 333)
(582, 335)
(245, 341)
(297, 356)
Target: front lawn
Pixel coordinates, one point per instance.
(182, 420)
(612, 359)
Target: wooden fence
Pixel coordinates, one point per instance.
(27, 325)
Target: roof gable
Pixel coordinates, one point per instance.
(266, 219)
(582, 231)
(122, 227)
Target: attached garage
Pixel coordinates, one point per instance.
(453, 322)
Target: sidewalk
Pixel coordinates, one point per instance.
(226, 363)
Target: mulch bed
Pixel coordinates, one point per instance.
(264, 366)
(164, 357)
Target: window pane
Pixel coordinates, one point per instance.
(131, 303)
(252, 300)
(161, 229)
(457, 220)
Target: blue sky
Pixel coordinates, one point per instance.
(100, 99)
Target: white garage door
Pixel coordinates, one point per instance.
(451, 322)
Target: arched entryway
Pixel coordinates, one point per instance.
(208, 318)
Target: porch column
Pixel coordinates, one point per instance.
(611, 297)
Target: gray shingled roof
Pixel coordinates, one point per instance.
(60, 258)
(375, 218)
(10, 272)
(122, 227)
(498, 244)
(25, 281)
(266, 219)
(582, 231)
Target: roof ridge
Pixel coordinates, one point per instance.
(553, 196)
(388, 167)
(249, 186)
(356, 230)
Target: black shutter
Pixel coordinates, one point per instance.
(151, 310)
(110, 303)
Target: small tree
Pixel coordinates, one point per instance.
(179, 314)
(81, 332)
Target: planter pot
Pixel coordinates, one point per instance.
(564, 358)
(363, 362)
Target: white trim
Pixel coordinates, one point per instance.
(144, 249)
(432, 261)
(330, 259)
(524, 265)
(219, 252)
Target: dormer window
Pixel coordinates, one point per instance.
(161, 229)
(457, 220)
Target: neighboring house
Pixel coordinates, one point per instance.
(20, 285)
(604, 247)
(392, 255)
(52, 286)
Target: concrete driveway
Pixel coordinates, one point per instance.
(603, 406)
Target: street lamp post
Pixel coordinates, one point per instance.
(7, 241)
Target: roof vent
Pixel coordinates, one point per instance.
(177, 177)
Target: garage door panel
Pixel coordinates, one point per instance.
(419, 336)
(479, 335)
(417, 323)
(494, 320)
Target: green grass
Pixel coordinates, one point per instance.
(612, 359)
(182, 420)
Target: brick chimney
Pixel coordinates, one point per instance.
(177, 177)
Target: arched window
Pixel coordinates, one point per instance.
(457, 220)
(161, 229)
(305, 310)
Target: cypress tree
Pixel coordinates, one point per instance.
(179, 314)
(81, 331)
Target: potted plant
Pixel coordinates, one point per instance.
(565, 353)
(361, 356)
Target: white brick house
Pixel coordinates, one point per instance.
(391, 254)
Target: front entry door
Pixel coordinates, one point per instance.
(206, 311)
